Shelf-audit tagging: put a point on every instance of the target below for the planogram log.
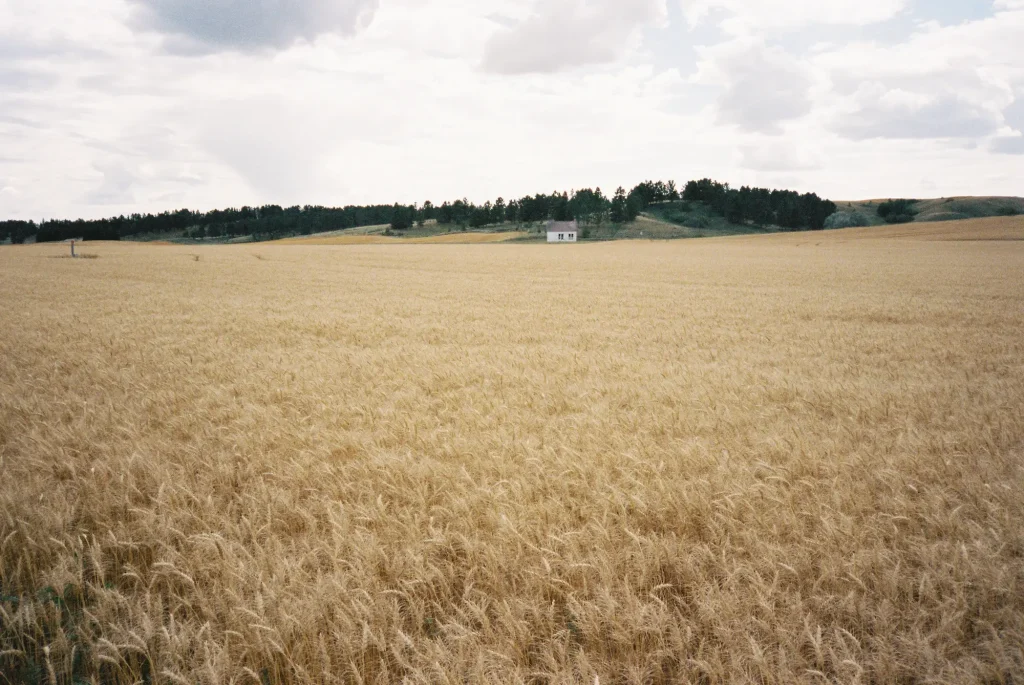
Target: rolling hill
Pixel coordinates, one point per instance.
(941, 209)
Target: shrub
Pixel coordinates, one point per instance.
(944, 216)
(675, 216)
(846, 220)
(897, 211)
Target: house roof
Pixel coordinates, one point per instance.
(562, 226)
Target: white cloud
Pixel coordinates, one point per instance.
(562, 34)
(759, 16)
(772, 155)
(604, 93)
(941, 82)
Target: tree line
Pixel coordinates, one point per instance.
(762, 207)
(590, 207)
(268, 220)
(759, 206)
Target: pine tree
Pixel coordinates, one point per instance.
(618, 212)
(512, 212)
(634, 205)
(561, 210)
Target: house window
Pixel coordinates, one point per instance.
(561, 236)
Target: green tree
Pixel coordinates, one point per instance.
(445, 214)
(480, 216)
(461, 210)
(734, 207)
(637, 201)
(633, 207)
(561, 211)
(589, 206)
(897, 211)
(18, 231)
(402, 217)
(619, 206)
(426, 213)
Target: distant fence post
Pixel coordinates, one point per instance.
(72, 249)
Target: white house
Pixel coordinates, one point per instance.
(563, 232)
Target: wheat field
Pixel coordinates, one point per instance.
(787, 459)
(468, 238)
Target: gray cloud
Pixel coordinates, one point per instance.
(565, 34)
(21, 121)
(1015, 114)
(765, 88)
(117, 84)
(17, 78)
(116, 186)
(943, 79)
(211, 26)
(1008, 146)
(947, 117)
(16, 46)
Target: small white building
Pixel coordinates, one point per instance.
(563, 232)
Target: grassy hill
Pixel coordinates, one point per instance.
(942, 209)
(689, 220)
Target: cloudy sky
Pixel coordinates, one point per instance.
(116, 106)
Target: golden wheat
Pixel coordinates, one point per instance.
(777, 460)
(446, 238)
